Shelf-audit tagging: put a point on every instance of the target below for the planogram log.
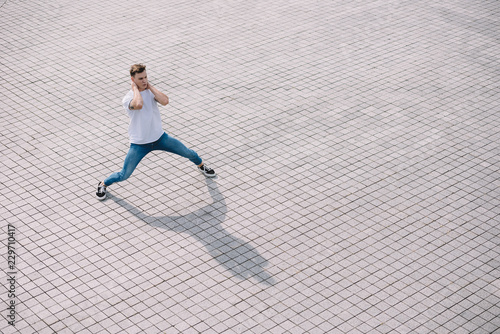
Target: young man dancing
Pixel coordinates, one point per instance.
(145, 130)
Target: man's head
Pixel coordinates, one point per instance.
(139, 76)
(137, 68)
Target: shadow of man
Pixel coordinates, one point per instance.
(205, 225)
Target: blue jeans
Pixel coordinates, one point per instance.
(137, 152)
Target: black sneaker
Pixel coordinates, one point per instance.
(101, 191)
(207, 171)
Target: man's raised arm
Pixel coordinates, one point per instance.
(159, 96)
(137, 101)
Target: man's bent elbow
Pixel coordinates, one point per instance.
(164, 101)
(136, 106)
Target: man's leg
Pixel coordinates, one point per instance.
(172, 145)
(134, 156)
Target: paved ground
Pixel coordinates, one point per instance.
(357, 146)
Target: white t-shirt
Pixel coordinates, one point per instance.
(145, 124)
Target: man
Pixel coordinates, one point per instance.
(145, 130)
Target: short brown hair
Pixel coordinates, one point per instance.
(137, 68)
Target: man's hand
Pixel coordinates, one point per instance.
(133, 85)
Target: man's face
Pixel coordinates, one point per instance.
(141, 80)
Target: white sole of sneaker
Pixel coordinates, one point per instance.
(101, 198)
